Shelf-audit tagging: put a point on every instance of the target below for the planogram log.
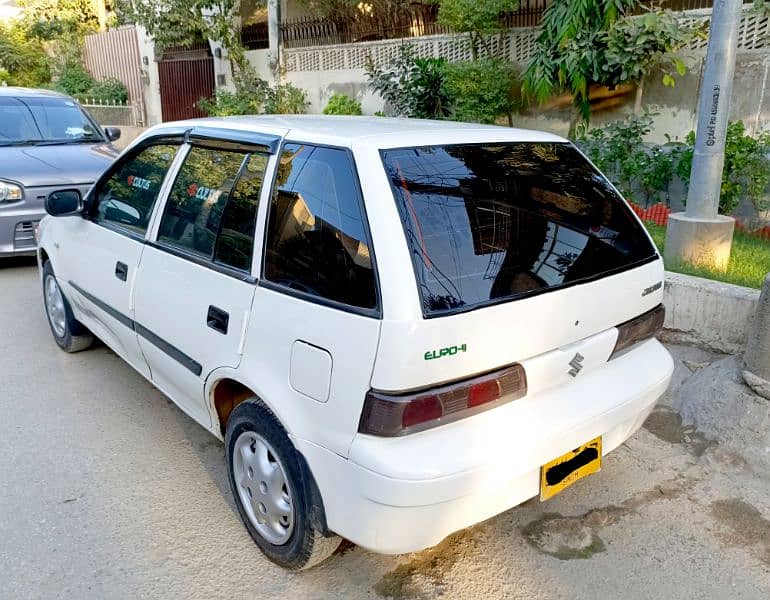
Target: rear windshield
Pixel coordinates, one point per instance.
(490, 223)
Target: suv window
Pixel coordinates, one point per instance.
(317, 239)
(211, 208)
(128, 196)
(489, 223)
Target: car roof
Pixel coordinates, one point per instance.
(379, 132)
(22, 92)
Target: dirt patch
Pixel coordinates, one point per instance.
(666, 424)
(568, 538)
(562, 537)
(425, 575)
(746, 526)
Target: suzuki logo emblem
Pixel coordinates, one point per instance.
(576, 364)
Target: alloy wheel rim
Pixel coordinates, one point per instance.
(263, 487)
(54, 303)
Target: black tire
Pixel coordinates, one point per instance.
(74, 337)
(307, 545)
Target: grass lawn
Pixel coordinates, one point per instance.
(749, 259)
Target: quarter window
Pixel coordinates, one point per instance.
(127, 198)
(211, 208)
(317, 240)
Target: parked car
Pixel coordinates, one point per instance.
(399, 328)
(47, 142)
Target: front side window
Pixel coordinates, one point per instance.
(126, 199)
(212, 206)
(317, 239)
(490, 223)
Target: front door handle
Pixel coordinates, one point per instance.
(218, 319)
(121, 271)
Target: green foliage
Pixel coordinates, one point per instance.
(749, 259)
(285, 99)
(256, 98)
(646, 170)
(226, 103)
(477, 18)
(340, 104)
(585, 42)
(618, 150)
(75, 80)
(411, 86)
(23, 61)
(746, 170)
(110, 90)
(51, 19)
(482, 90)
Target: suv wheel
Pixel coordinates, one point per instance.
(271, 490)
(69, 333)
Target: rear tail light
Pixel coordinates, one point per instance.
(393, 415)
(639, 329)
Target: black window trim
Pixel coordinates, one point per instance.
(375, 312)
(466, 309)
(179, 137)
(211, 263)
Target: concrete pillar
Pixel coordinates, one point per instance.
(756, 361)
(274, 35)
(700, 235)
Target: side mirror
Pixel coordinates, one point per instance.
(112, 133)
(63, 203)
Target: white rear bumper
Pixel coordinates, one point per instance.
(398, 495)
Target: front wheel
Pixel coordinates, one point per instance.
(271, 490)
(69, 334)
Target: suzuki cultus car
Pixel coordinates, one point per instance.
(399, 328)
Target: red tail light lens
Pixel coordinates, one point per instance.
(639, 329)
(393, 415)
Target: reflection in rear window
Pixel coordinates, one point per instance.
(488, 223)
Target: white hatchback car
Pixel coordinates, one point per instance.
(400, 328)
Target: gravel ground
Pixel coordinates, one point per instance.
(109, 491)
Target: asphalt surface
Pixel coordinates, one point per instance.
(107, 490)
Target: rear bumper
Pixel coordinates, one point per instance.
(400, 495)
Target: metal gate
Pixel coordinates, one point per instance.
(186, 75)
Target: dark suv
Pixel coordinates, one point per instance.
(47, 142)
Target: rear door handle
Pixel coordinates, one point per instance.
(121, 271)
(218, 319)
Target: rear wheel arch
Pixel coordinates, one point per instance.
(228, 393)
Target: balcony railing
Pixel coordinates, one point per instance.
(415, 21)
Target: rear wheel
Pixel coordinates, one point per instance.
(271, 489)
(69, 333)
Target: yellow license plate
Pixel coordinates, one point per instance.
(562, 472)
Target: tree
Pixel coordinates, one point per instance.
(22, 59)
(477, 18)
(597, 42)
(182, 22)
(49, 19)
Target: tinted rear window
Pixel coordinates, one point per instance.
(490, 223)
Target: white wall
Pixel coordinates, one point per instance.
(150, 78)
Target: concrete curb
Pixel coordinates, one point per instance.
(711, 314)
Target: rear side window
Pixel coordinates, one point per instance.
(212, 206)
(127, 197)
(317, 240)
(489, 223)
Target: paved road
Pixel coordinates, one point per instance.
(109, 491)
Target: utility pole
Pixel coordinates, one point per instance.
(700, 235)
